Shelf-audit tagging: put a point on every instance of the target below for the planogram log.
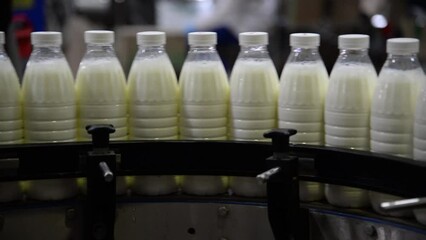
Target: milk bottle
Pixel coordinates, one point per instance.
(254, 89)
(303, 84)
(393, 106)
(10, 116)
(419, 143)
(153, 99)
(49, 107)
(101, 90)
(347, 110)
(419, 148)
(204, 99)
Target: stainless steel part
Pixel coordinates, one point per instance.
(230, 220)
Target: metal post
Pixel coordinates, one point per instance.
(100, 202)
(282, 186)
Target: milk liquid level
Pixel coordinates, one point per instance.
(10, 104)
(347, 116)
(49, 102)
(49, 116)
(301, 101)
(203, 115)
(419, 143)
(10, 119)
(300, 106)
(254, 88)
(392, 116)
(393, 110)
(347, 111)
(419, 150)
(101, 94)
(204, 95)
(153, 99)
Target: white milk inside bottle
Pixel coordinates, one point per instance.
(393, 107)
(347, 110)
(153, 104)
(101, 90)
(10, 116)
(49, 107)
(419, 140)
(303, 84)
(254, 89)
(204, 94)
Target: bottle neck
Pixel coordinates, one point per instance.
(299, 54)
(355, 52)
(254, 52)
(202, 53)
(3, 54)
(99, 50)
(197, 48)
(402, 62)
(42, 52)
(354, 56)
(151, 49)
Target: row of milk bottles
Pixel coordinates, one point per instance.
(350, 109)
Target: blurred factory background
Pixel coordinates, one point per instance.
(381, 19)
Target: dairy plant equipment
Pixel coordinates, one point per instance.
(100, 214)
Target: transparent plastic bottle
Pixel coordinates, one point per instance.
(101, 90)
(153, 104)
(419, 140)
(393, 106)
(49, 107)
(347, 110)
(204, 95)
(303, 85)
(10, 116)
(254, 90)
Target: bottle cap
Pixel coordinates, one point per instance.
(354, 41)
(49, 38)
(2, 40)
(307, 40)
(402, 46)
(151, 38)
(202, 38)
(253, 38)
(99, 36)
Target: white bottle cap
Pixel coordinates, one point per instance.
(151, 38)
(253, 38)
(99, 36)
(2, 40)
(402, 46)
(46, 38)
(308, 40)
(202, 38)
(354, 41)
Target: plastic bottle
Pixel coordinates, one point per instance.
(303, 85)
(153, 104)
(101, 90)
(347, 110)
(254, 91)
(419, 140)
(204, 99)
(10, 116)
(419, 143)
(393, 106)
(49, 107)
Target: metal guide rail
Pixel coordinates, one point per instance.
(279, 164)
